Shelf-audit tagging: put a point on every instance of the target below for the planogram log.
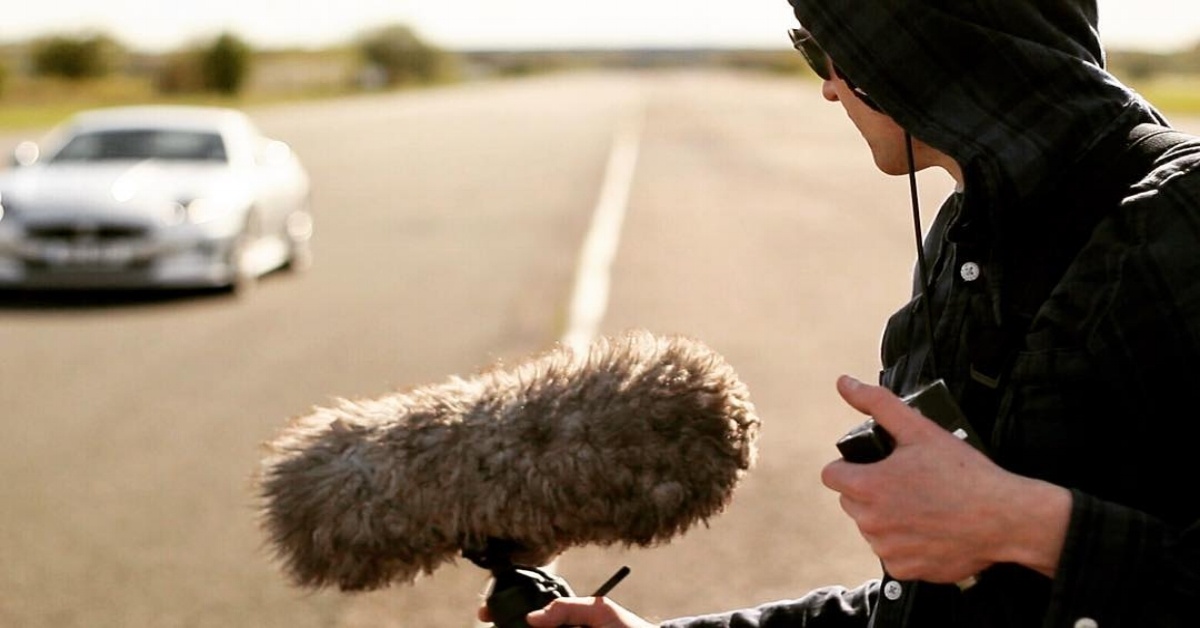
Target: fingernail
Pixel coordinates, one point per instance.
(851, 383)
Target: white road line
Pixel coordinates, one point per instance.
(589, 300)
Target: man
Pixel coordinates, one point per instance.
(1060, 302)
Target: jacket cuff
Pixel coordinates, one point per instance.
(829, 607)
(1103, 565)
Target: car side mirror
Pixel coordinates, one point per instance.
(26, 154)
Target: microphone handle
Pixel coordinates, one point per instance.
(520, 590)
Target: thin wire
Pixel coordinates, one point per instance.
(924, 269)
(611, 582)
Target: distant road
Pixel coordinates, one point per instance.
(448, 228)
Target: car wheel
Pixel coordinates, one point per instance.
(299, 239)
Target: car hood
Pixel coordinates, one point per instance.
(145, 190)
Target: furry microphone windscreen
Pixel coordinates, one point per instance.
(630, 442)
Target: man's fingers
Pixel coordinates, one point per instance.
(593, 612)
(888, 410)
(864, 397)
(572, 611)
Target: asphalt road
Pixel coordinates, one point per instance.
(448, 228)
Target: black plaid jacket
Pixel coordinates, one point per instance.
(1065, 274)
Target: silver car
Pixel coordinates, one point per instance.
(153, 197)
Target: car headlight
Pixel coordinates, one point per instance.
(7, 208)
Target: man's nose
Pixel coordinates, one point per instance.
(828, 91)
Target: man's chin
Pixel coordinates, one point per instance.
(891, 167)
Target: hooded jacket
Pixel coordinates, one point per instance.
(1065, 304)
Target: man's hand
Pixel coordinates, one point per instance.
(595, 612)
(938, 510)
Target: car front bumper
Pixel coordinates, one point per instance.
(196, 264)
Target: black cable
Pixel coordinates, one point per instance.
(924, 269)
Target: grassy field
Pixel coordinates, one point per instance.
(32, 105)
(1174, 95)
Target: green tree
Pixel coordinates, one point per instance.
(75, 58)
(404, 58)
(225, 65)
(179, 73)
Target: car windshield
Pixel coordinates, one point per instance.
(143, 144)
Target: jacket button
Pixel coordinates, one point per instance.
(969, 271)
(893, 590)
(1086, 622)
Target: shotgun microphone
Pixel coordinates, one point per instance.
(631, 441)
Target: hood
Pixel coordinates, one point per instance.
(1011, 89)
(145, 189)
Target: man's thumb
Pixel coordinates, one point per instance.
(888, 410)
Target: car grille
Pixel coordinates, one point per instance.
(79, 245)
(74, 231)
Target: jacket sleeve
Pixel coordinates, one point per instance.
(830, 607)
(1124, 568)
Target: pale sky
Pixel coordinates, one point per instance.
(156, 25)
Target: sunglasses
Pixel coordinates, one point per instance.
(822, 65)
(817, 59)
